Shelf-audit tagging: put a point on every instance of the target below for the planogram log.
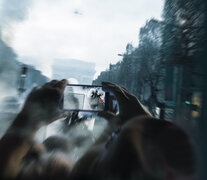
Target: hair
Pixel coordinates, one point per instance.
(48, 160)
(144, 148)
(49, 166)
(56, 143)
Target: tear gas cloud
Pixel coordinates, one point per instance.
(12, 11)
(80, 136)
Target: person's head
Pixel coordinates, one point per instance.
(149, 148)
(48, 166)
(166, 148)
(56, 143)
(49, 160)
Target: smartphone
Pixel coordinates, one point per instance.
(85, 98)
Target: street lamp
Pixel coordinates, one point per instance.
(129, 55)
(23, 76)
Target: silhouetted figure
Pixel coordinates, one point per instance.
(135, 145)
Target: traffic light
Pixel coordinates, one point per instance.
(193, 101)
(24, 72)
(23, 76)
(187, 97)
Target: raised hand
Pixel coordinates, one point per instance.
(43, 103)
(129, 105)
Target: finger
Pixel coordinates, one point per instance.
(125, 89)
(146, 111)
(120, 95)
(46, 85)
(60, 114)
(63, 114)
(61, 85)
(107, 115)
(53, 82)
(65, 81)
(110, 86)
(35, 88)
(128, 93)
(113, 87)
(122, 91)
(118, 91)
(112, 119)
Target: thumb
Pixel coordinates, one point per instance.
(110, 117)
(60, 114)
(107, 115)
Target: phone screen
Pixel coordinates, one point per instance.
(84, 98)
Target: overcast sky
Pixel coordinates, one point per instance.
(88, 30)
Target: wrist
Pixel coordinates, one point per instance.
(21, 133)
(24, 121)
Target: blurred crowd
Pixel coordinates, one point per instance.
(132, 145)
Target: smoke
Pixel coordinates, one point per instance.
(80, 136)
(8, 69)
(12, 11)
